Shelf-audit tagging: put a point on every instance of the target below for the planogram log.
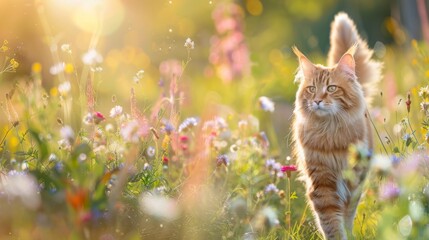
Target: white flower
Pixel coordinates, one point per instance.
(139, 75)
(189, 43)
(266, 104)
(160, 207)
(64, 88)
(57, 68)
(21, 186)
(150, 151)
(66, 48)
(67, 133)
(92, 57)
(115, 111)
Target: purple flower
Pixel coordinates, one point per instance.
(271, 188)
(389, 191)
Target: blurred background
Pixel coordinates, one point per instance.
(242, 48)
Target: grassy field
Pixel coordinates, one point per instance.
(112, 131)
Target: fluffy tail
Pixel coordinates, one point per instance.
(343, 36)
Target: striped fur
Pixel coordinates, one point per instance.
(330, 109)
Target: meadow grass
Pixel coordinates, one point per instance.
(179, 159)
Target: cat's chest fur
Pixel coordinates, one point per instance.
(331, 134)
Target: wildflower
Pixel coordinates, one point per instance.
(22, 186)
(222, 160)
(188, 123)
(395, 160)
(424, 92)
(389, 191)
(189, 44)
(64, 88)
(146, 166)
(139, 75)
(115, 111)
(159, 207)
(242, 124)
(57, 68)
(13, 64)
(4, 47)
(424, 106)
(92, 57)
(269, 163)
(266, 104)
(150, 151)
(88, 119)
(288, 169)
(97, 117)
(69, 68)
(133, 131)
(109, 127)
(271, 188)
(82, 157)
(264, 139)
(66, 48)
(165, 160)
(381, 162)
(52, 157)
(168, 128)
(408, 102)
(36, 67)
(67, 133)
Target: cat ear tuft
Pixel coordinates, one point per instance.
(306, 66)
(347, 61)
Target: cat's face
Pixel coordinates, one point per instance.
(327, 91)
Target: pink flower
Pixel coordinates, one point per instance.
(289, 168)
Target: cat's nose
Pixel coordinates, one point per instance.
(317, 101)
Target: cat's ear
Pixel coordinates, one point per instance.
(347, 62)
(306, 66)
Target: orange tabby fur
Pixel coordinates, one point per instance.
(330, 115)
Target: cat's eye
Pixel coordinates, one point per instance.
(311, 89)
(331, 88)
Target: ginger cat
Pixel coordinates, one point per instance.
(330, 115)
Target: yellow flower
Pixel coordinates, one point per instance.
(4, 47)
(69, 68)
(13, 143)
(165, 142)
(53, 92)
(36, 67)
(14, 64)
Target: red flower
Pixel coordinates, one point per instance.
(165, 160)
(98, 117)
(289, 168)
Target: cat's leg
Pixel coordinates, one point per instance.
(328, 206)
